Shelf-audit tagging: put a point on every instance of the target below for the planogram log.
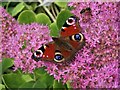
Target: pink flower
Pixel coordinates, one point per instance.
(101, 33)
(19, 41)
(94, 66)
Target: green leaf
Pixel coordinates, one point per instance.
(24, 44)
(27, 78)
(68, 85)
(34, 84)
(18, 9)
(43, 76)
(39, 72)
(48, 80)
(0, 68)
(28, 84)
(13, 80)
(27, 17)
(28, 7)
(54, 31)
(2, 87)
(43, 19)
(9, 10)
(40, 84)
(62, 17)
(6, 63)
(58, 85)
(34, 5)
(61, 4)
(3, 4)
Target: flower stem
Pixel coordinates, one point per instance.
(49, 13)
(56, 10)
(52, 9)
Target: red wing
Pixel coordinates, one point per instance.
(51, 52)
(45, 52)
(68, 31)
(70, 27)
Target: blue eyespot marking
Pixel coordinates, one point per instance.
(77, 37)
(58, 57)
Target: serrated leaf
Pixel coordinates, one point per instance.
(13, 80)
(62, 17)
(18, 9)
(6, 63)
(54, 31)
(27, 17)
(43, 19)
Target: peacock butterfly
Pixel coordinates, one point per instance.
(64, 47)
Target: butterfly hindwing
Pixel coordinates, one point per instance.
(51, 52)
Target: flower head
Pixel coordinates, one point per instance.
(20, 41)
(94, 66)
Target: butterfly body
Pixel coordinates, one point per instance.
(62, 48)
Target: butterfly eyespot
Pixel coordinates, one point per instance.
(70, 21)
(58, 57)
(77, 37)
(38, 54)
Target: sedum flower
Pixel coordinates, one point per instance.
(94, 66)
(20, 41)
(98, 62)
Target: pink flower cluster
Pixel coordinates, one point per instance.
(95, 66)
(98, 62)
(20, 41)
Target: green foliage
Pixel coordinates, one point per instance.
(2, 87)
(43, 19)
(62, 17)
(34, 84)
(10, 10)
(19, 7)
(13, 80)
(42, 76)
(3, 4)
(27, 77)
(54, 31)
(6, 63)
(61, 4)
(27, 17)
(58, 85)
